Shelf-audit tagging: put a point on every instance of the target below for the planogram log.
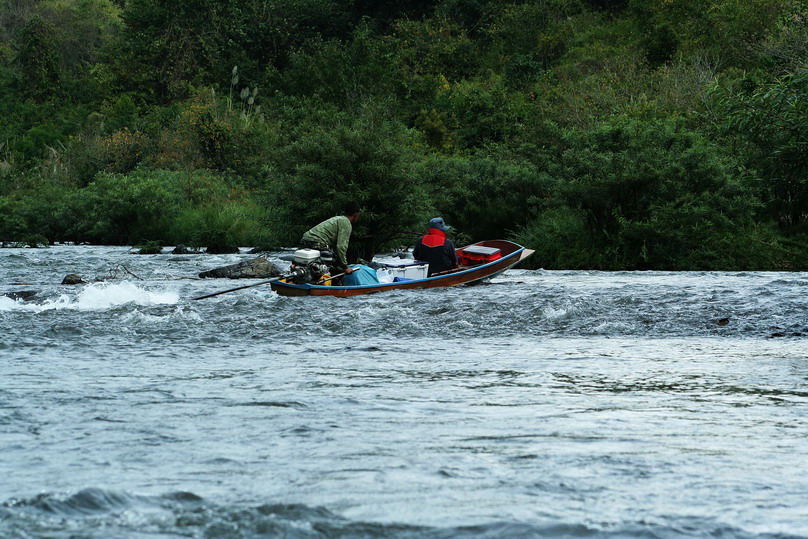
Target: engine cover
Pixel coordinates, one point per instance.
(306, 256)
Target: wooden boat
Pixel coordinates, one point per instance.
(511, 254)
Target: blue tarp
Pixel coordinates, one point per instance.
(362, 275)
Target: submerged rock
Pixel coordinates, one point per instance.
(24, 295)
(221, 249)
(257, 268)
(264, 249)
(31, 244)
(150, 248)
(183, 250)
(73, 278)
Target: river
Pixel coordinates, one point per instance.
(541, 404)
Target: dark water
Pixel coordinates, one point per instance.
(543, 404)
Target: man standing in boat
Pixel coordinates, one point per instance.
(434, 247)
(333, 235)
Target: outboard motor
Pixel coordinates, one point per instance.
(309, 265)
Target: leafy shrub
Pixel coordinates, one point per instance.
(124, 209)
(438, 129)
(725, 29)
(123, 150)
(560, 239)
(484, 112)
(234, 223)
(210, 132)
(771, 120)
(38, 58)
(337, 71)
(368, 159)
(530, 28)
(651, 192)
(153, 247)
(12, 223)
(35, 240)
(484, 197)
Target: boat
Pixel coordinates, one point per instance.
(473, 270)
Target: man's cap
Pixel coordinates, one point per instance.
(438, 223)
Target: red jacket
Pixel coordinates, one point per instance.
(436, 249)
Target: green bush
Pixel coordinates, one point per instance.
(39, 61)
(484, 112)
(770, 120)
(12, 223)
(125, 209)
(213, 132)
(153, 247)
(39, 206)
(368, 159)
(485, 197)
(234, 223)
(172, 207)
(654, 195)
(726, 29)
(560, 239)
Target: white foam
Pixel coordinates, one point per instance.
(136, 317)
(97, 297)
(560, 313)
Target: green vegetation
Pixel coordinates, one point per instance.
(632, 134)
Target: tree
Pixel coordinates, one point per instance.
(367, 158)
(82, 28)
(39, 61)
(171, 46)
(772, 119)
(651, 192)
(485, 196)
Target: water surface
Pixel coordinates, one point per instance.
(563, 404)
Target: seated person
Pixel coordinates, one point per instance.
(435, 248)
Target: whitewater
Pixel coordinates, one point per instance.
(541, 404)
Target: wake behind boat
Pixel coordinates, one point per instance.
(479, 261)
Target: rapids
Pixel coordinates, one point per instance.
(543, 403)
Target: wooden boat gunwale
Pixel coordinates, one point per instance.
(512, 254)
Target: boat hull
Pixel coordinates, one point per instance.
(512, 254)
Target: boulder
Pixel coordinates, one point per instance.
(222, 249)
(73, 278)
(257, 268)
(264, 249)
(23, 295)
(183, 250)
(149, 248)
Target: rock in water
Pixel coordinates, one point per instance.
(264, 249)
(73, 278)
(183, 250)
(23, 295)
(221, 249)
(257, 268)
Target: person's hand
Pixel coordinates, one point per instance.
(348, 271)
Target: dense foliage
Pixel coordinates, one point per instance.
(632, 134)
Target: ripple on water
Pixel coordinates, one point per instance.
(104, 513)
(548, 403)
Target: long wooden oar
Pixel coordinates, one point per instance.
(242, 287)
